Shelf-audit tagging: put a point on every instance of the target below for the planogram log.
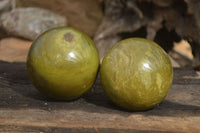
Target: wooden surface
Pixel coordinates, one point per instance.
(24, 109)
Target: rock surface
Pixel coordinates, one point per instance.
(85, 15)
(30, 22)
(5, 5)
(14, 50)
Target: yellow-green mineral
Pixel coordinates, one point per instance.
(62, 63)
(136, 74)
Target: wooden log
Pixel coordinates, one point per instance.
(24, 109)
(164, 22)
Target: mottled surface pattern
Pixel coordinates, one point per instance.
(136, 74)
(63, 63)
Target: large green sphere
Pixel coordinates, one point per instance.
(62, 63)
(136, 74)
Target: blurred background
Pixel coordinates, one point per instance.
(173, 24)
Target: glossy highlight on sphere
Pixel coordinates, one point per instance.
(62, 63)
(136, 74)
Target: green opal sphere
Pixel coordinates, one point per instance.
(62, 63)
(136, 74)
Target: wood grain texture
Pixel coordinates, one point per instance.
(24, 109)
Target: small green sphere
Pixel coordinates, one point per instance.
(62, 63)
(136, 74)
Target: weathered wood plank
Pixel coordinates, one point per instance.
(24, 109)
